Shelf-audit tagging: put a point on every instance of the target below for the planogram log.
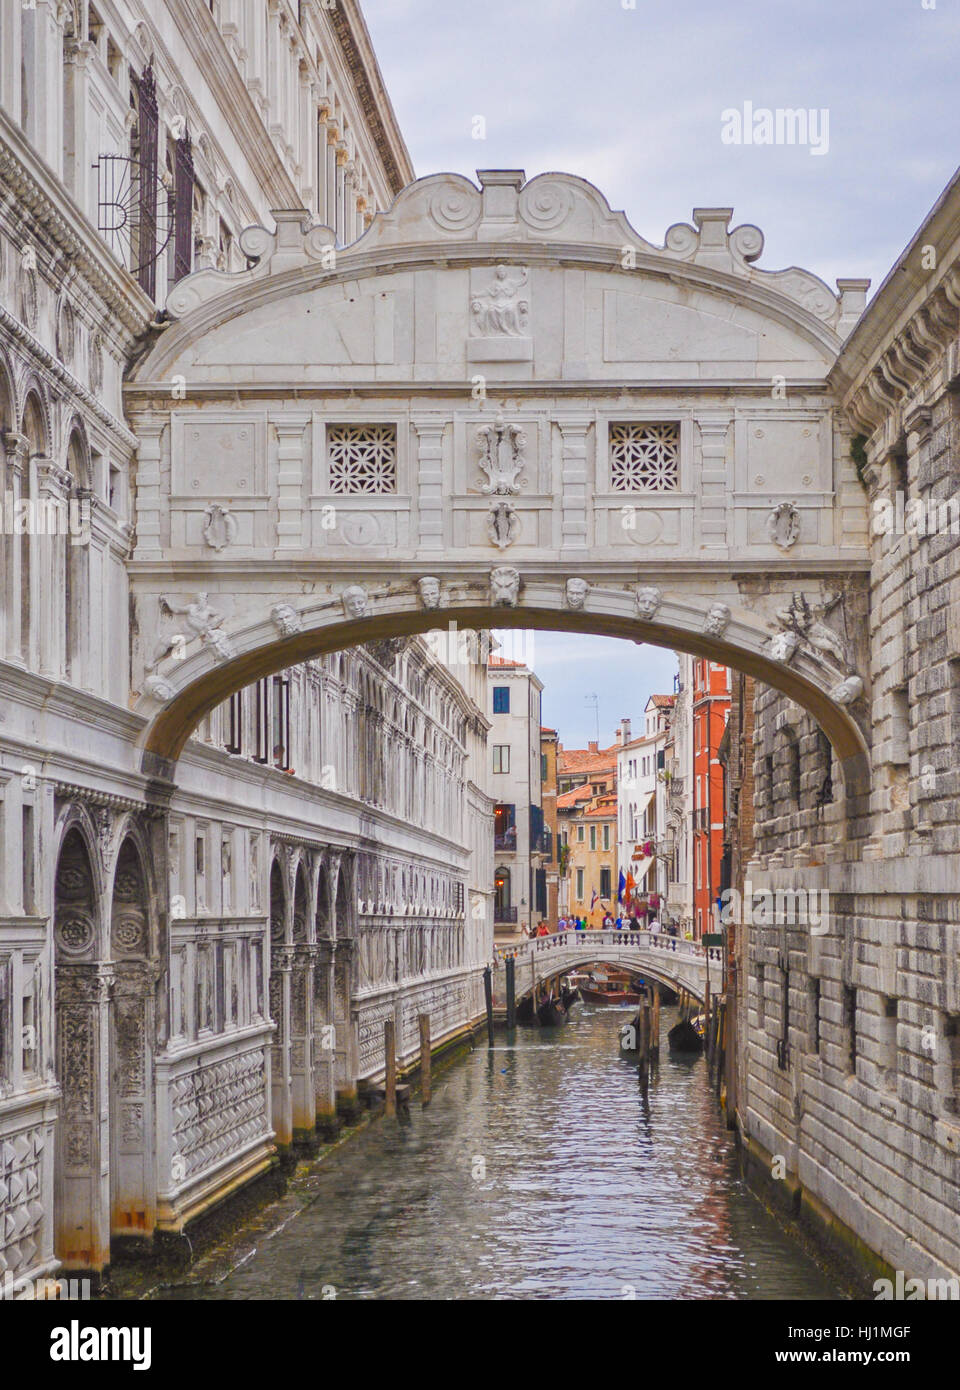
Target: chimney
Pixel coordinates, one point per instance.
(624, 732)
(592, 747)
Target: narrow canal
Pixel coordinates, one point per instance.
(537, 1172)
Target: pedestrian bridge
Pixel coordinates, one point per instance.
(676, 963)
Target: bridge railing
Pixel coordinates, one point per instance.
(559, 942)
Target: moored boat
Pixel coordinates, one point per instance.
(683, 1037)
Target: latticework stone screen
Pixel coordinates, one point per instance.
(644, 457)
(363, 458)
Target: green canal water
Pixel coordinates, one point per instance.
(536, 1173)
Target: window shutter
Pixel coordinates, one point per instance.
(183, 209)
(149, 123)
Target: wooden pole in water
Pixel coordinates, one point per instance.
(643, 1048)
(425, 1058)
(511, 992)
(655, 1026)
(390, 1056)
(488, 996)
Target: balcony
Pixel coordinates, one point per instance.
(505, 914)
(506, 842)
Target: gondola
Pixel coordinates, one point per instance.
(525, 1012)
(568, 997)
(551, 1012)
(683, 1037)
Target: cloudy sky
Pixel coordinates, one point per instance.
(632, 99)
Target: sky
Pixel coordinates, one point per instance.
(633, 96)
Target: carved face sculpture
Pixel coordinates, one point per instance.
(286, 618)
(505, 586)
(354, 601)
(576, 592)
(429, 588)
(717, 620)
(648, 601)
(847, 691)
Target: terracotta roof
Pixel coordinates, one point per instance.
(575, 795)
(662, 701)
(586, 760)
(502, 661)
(606, 807)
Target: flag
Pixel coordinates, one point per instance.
(593, 900)
(631, 886)
(620, 887)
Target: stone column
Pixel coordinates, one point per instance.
(77, 56)
(43, 59)
(290, 430)
(49, 560)
(16, 448)
(429, 486)
(281, 972)
(150, 501)
(324, 1041)
(573, 495)
(714, 490)
(10, 51)
(83, 1169)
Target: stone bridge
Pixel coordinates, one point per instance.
(502, 406)
(673, 962)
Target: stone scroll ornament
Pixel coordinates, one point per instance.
(503, 525)
(783, 526)
(504, 586)
(219, 527)
(502, 450)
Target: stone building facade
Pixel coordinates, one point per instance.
(190, 982)
(850, 1015)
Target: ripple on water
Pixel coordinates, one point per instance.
(585, 1192)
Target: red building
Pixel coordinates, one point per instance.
(711, 708)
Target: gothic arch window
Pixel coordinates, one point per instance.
(35, 433)
(76, 597)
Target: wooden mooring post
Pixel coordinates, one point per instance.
(511, 992)
(488, 996)
(390, 1059)
(643, 1046)
(425, 1059)
(655, 1026)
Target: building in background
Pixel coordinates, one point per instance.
(520, 848)
(641, 808)
(587, 824)
(710, 709)
(678, 803)
(551, 837)
(736, 752)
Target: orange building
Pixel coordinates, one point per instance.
(711, 709)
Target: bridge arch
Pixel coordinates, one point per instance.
(673, 962)
(502, 407)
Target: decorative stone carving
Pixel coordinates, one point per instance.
(783, 525)
(576, 593)
(286, 619)
(202, 620)
(783, 646)
(500, 310)
(715, 623)
(158, 689)
(848, 691)
(74, 932)
(355, 601)
(649, 599)
(806, 622)
(503, 525)
(218, 527)
(502, 449)
(505, 586)
(429, 590)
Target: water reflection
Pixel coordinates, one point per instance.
(538, 1172)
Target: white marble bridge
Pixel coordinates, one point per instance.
(674, 962)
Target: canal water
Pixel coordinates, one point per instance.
(537, 1173)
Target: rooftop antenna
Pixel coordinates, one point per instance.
(596, 709)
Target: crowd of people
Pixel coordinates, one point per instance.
(622, 922)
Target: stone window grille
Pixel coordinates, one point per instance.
(363, 459)
(645, 457)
